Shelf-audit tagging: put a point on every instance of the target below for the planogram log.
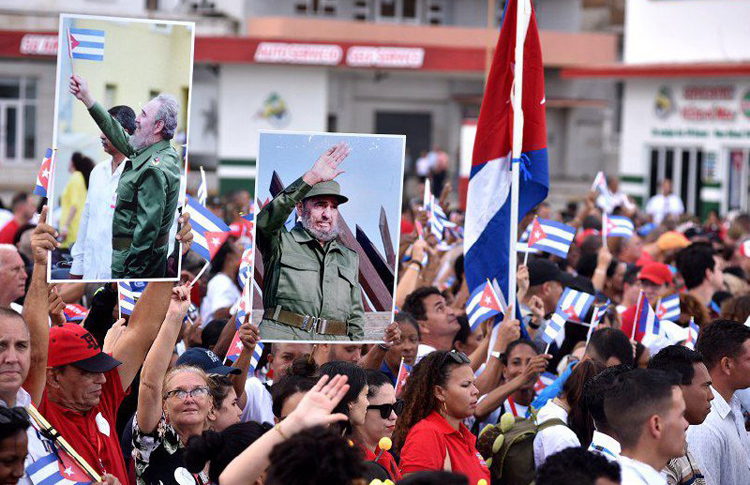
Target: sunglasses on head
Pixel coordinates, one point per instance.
(386, 409)
(457, 357)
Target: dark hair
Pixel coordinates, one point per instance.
(83, 164)
(678, 359)
(693, 261)
(596, 389)
(404, 317)
(511, 346)
(18, 420)
(18, 199)
(434, 369)
(375, 380)
(316, 455)
(221, 448)
(414, 302)
(719, 339)
(434, 478)
(631, 274)
(211, 332)
(610, 342)
(579, 417)
(220, 386)
(299, 378)
(576, 466)
(357, 381)
(125, 116)
(20, 231)
(634, 398)
(464, 332)
(639, 351)
(737, 309)
(225, 250)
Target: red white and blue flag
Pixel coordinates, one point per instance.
(129, 292)
(209, 232)
(246, 265)
(572, 307)
(245, 306)
(75, 312)
(235, 348)
(404, 371)
(86, 44)
(693, 331)
(669, 308)
(619, 226)
(551, 236)
(646, 320)
(488, 212)
(45, 171)
(483, 304)
(56, 468)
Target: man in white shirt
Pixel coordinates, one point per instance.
(646, 411)
(92, 251)
(665, 204)
(721, 444)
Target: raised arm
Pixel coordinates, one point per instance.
(36, 305)
(142, 329)
(109, 126)
(249, 336)
(157, 361)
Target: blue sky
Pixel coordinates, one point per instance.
(372, 178)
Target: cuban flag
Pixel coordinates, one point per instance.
(483, 304)
(235, 348)
(209, 232)
(255, 358)
(545, 379)
(245, 306)
(438, 220)
(42, 179)
(487, 228)
(129, 292)
(246, 265)
(55, 469)
(551, 236)
(574, 304)
(75, 312)
(600, 184)
(599, 311)
(404, 371)
(202, 194)
(86, 44)
(646, 320)
(669, 308)
(553, 328)
(619, 226)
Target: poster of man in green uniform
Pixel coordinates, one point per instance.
(96, 69)
(326, 236)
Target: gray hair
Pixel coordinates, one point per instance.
(168, 110)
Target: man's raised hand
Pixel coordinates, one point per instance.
(326, 166)
(43, 239)
(80, 89)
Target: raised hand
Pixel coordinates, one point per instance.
(522, 277)
(80, 89)
(43, 239)
(536, 366)
(249, 334)
(179, 302)
(392, 335)
(315, 407)
(326, 166)
(185, 234)
(55, 306)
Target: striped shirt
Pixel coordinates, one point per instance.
(684, 471)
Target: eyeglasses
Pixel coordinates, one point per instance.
(182, 394)
(8, 415)
(386, 409)
(457, 357)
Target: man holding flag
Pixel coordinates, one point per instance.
(511, 138)
(149, 187)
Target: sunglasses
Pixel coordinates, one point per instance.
(457, 357)
(386, 409)
(9, 415)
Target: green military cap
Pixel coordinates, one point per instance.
(327, 188)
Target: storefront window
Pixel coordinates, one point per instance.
(18, 119)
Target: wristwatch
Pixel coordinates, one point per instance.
(498, 355)
(533, 325)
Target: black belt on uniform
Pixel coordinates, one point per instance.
(307, 323)
(120, 243)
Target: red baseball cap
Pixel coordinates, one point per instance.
(657, 273)
(72, 344)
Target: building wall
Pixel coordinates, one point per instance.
(686, 31)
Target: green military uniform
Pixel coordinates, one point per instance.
(147, 197)
(310, 292)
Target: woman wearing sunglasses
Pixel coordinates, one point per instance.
(171, 408)
(439, 395)
(380, 420)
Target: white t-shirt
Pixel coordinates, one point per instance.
(222, 292)
(259, 406)
(422, 350)
(660, 206)
(555, 438)
(638, 473)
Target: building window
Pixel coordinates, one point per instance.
(362, 10)
(436, 12)
(18, 123)
(404, 11)
(316, 7)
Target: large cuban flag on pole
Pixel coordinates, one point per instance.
(508, 141)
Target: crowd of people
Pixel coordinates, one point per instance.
(151, 399)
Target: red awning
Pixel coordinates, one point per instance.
(658, 70)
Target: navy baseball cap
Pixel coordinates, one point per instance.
(206, 360)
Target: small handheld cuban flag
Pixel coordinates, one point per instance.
(86, 44)
(556, 323)
(669, 308)
(551, 236)
(693, 331)
(42, 179)
(246, 304)
(544, 380)
(129, 292)
(202, 194)
(600, 311)
(619, 226)
(209, 232)
(404, 370)
(600, 184)
(53, 469)
(574, 304)
(483, 304)
(255, 358)
(235, 348)
(246, 264)
(75, 312)
(645, 318)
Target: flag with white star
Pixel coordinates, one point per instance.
(42, 180)
(209, 231)
(483, 304)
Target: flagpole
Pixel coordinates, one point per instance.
(591, 325)
(200, 273)
(119, 304)
(635, 320)
(523, 11)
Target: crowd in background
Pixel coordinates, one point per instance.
(151, 399)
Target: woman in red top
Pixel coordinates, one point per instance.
(439, 395)
(380, 420)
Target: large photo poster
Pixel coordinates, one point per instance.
(120, 141)
(327, 227)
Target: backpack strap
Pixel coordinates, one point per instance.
(549, 423)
